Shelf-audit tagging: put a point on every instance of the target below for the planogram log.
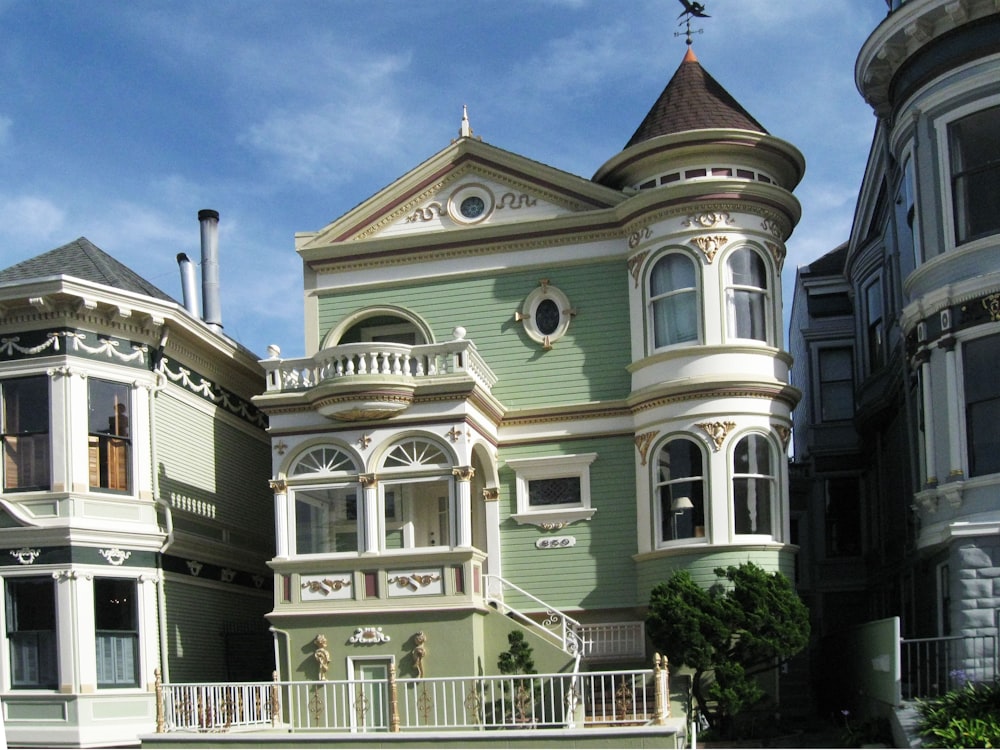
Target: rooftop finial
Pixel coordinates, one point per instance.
(466, 130)
(691, 8)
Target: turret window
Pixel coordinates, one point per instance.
(673, 300)
(747, 295)
(753, 486)
(975, 174)
(110, 442)
(25, 406)
(680, 491)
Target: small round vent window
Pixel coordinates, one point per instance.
(470, 204)
(546, 314)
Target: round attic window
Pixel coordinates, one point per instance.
(471, 204)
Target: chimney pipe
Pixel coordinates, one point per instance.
(189, 287)
(209, 220)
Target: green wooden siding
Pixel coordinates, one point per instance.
(213, 471)
(598, 571)
(588, 364)
(198, 617)
(702, 564)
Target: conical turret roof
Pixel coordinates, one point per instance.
(693, 100)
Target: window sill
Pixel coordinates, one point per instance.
(551, 520)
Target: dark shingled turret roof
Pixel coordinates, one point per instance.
(693, 100)
(83, 260)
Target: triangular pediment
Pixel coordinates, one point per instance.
(469, 184)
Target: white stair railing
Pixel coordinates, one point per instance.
(569, 634)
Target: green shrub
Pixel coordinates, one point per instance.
(969, 717)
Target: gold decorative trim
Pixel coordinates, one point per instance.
(710, 245)
(639, 236)
(463, 473)
(431, 211)
(278, 486)
(784, 433)
(708, 219)
(992, 306)
(326, 586)
(491, 494)
(364, 441)
(321, 655)
(413, 581)
(643, 441)
(635, 264)
(368, 481)
(717, 431)
(777, 252)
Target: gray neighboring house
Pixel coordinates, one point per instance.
(135, 515)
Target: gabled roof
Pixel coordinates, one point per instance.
(82, 259)
(693, 100)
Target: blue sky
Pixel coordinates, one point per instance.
(120, 120)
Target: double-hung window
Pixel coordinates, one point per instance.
(747, 295)
(982, 404)
(753, 485)
(25, 406)
(116, 632)
(975, 174)
(836, 383)
(31, 632)
(680, 490)
(673, 300)
(109, 442)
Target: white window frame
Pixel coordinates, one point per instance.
(553, 467)
(651, 301)
(766, 293)
(774, 490)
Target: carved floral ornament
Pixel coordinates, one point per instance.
(25, 555)
(642, 443)
(635, 265)
(717, 431)
(710, 245)
(992, 306)
(326, 586)
(413, 581)
(708, 219)
(115, 556)
(369, 634)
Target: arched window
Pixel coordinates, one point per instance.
(673, 300)
(747, 295)
(680, 490)
(417, 495)
(326, 509)
(753, 486)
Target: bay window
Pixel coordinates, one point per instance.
(753, 485)
(25, 404)
(975, 174)
(109, 443)
(747, 295)
(680, 491)
(673, 300)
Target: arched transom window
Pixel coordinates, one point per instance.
(416, 491)
(326, 502)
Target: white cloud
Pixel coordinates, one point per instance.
(29, 219)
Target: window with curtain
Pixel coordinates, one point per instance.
(680, 490)
(975, 174)
(116, 632)
(109, 442)
(31, 632)
(673, 300)
(747, 295)
(753, 485)
(982, 404)
(25, 404)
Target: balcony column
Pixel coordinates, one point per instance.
(371, 539)
(923, 358)
(280, 489)
(491, 497)
(463, 505)
(954, 427)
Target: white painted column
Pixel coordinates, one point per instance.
(149, 628)
(463, 505)
(926, 392)
(71, 636)
(371, 519)
(952, 406)
(491, 498)
(281, 519)
(142, 457)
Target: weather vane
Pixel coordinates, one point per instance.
(690, 9)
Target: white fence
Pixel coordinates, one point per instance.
(489, 702)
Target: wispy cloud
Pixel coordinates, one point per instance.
(30, 219)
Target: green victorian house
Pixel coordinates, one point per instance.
(528, 397)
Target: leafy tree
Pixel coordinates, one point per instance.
(517, 659)
(749, 622)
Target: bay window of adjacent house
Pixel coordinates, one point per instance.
(754, 490)
(116, 631)
(982, 404)
(874, 326)
(673, 300)
(836, 383)
(975, 174)
(680, 491)
(31, 632)
(109, 443)
(746, 295)
(25, 405)
(415, 485)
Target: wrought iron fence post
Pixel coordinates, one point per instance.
(160, 722)
(393, 700)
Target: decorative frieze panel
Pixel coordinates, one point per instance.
(325, 589)
(415, 583)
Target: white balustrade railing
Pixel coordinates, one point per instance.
(614, 640)
(537, 701)
(378, 359)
